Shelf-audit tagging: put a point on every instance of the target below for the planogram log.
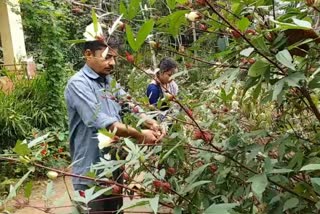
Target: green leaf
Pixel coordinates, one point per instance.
(28, 189)
(154, 204)
(49, 190)
(279, 171)
(316, 184)
(106, 132)
(223, 43)
(193, 185)
(196, 173)
(277, 89)
(246, 52)
(173, 21)
(182, 1)
(314, 83)
(291, 203)
(258, 68)
(131, 145)
(177, 210)
(229, 76)
(220, 208)
(294, 79)
(38, 140)
(21, 148)
(259, 184)
(123, 9)
(267, 165)
(94, 20)
(318, 205)
(260, 44)
(100, 192)
(144, 31)
(302, 23)
(256, 91)
(76, 41)
(285, 58)
(310, 167)
(130, 38)
(169, 152)
(243, 24)
(151, 2)
(13, 190)
(286, 26)
(133, 9)
(135, 203)
(171, 4)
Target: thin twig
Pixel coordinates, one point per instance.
(109, 182)
(244, 37)
(313, 106)
(203, 61)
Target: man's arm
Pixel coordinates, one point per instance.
(147, 136)
(82, 98)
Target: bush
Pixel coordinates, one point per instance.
(23, 109)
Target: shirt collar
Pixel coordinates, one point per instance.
(93, 75)
(89, 72)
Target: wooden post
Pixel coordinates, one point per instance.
(11, 32)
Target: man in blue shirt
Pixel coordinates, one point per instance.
(92, 105)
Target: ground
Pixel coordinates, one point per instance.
(37, 201)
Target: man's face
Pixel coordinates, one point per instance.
(102, 66)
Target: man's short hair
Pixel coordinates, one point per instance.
(167, 64)
(93, 46)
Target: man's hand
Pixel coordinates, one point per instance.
(154, 125)
(148, 136)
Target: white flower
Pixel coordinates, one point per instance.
(104, 141)
(107, 157)
(222, 125)
(91, 34)
(220, 158)
(216, 91)
(115, 25)
(193, 16)
(235, 105)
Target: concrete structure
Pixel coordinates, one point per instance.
(11, 33)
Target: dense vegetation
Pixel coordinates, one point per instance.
(246, 138)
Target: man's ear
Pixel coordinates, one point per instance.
(88, 54)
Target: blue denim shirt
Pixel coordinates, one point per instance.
(90, 106)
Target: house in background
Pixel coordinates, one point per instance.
(11, 33)
(13, 57)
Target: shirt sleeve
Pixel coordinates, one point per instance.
(174, 87)
(83, 100)
(153, 93)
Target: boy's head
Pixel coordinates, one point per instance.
(167, 68)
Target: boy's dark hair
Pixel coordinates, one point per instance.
(98, 45)
(167, 64)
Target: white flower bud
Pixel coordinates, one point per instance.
(220, 158)
(52, 175)
(235, 105)
(193, 16)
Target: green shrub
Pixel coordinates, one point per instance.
(22, 110)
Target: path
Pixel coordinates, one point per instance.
(60, 193)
